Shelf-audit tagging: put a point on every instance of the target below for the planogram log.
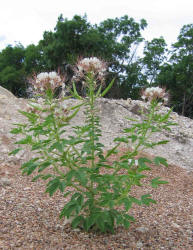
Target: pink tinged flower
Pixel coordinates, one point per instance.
(130, 161)
(47, 80)
(53, 75)
(155, 93)
(134, 162)
(92, 64)
(143, 97)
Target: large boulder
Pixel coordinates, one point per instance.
(5, 93)
(179, 151)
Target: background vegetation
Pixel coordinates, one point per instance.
(116, 41)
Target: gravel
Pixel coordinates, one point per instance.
(29, 218)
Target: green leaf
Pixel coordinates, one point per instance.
(16, 131)
(48, 120)
(49, 93)
(15, 151)
(75, 93)
(121, 139)
(67, 193)
(134, 200)
(127, 203)
(77, 221)
(27, 140)
(62, 186)
(129, 217)
(53, 185)
(45, 177)
(165, 117)
(142, 164)
(107, 88)
(31, 116)
(156, 182)
(126, 224)
(56, 145)
(37, 177)
(71, 116)
(98, 91)
(36, 146)
(160, 160)
(101, 224)
(35, 106)
(30, 166)
(162, 142)
(146, 200)
(70, 175)
(70, 209)
(112, 151)
(44, 165)
(88, 222)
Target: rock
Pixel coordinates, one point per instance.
(112, 112)
(139, 244)
(175, 225)
(4, 93)
(4, 181)
(142, 229)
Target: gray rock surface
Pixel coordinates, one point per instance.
(4, 181)
(6, 93)
(179, 151)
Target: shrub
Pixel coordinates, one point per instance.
(78, 165)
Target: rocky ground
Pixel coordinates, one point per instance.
(29, 218)
(112, 112)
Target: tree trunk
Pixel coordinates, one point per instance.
(183, 105)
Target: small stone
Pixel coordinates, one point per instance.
(142, 229)
(139, 244)
(5, 181)
(24, 199)
(175, 225)
(58, 226)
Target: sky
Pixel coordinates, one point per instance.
(25, 21)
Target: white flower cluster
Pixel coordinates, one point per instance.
(46, 80)
(51, 76)
(136, 163)
(154, 90)
(155, 93)
(93, 65)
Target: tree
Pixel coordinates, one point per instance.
(154, 57)
(183, 60)
(114, 40)
(12, 73)
(33, 59)
(178, 74)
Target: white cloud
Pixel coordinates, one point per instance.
(2, 38)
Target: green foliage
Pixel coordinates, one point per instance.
(33, 61)
(116, 41)
(176, 75)
(97, 187)
(154, 57)
(113, 40)
(12, 73)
